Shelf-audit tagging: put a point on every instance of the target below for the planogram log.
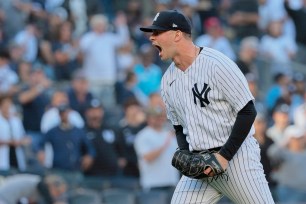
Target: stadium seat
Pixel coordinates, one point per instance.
(118, 196)
(152, 197)
(81, 196)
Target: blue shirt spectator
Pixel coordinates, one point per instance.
(68, 145)
(34, 99)
(148, 74)
(71, 149)
(33, 110)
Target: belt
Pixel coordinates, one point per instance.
(215, 149)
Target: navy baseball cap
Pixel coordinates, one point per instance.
(169, 20)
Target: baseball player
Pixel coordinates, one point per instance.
(211, 108)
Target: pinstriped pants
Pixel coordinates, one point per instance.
(245, 182)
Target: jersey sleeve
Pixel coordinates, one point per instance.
(171, 114)
(233, 84)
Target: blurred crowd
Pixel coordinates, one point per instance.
(80, 106)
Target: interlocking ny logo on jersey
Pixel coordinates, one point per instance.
(201, 96)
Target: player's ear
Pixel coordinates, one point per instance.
(178, 35)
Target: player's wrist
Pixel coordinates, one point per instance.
(224, 154)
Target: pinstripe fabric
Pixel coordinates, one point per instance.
(206, 127)
(245, 182)
(205, 100)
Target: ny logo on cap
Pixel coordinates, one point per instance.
(156, 16)
(174, 25)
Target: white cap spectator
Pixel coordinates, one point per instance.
(292, 131)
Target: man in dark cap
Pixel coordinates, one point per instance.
(104, 139)
(211, 108)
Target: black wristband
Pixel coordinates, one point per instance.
(181, 138)
(241, 128)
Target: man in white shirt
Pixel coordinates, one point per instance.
(155, 146)
(99, 50)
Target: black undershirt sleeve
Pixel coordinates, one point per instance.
(181, 138)
(241, 128)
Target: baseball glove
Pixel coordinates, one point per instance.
(193, 164)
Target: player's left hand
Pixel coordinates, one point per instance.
(223, 162)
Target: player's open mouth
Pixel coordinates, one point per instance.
(158, 48)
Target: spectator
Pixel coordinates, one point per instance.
(278, 49)
(80, 12)
(14, 16)
(126, 59)
(20, 187)
(297, 93)
(27, 39)
(132, 122)
(68, 140)
(214, 38)
(265, 142)
(155, 147)
(105, 141)
(273, 10)
(280, 119)
(247, 55)
(53, 188)
(244, 18)
(79, 94)
(16, 56)
(299, 87)
(299, 117)
(253, 85)
(51, 117)
(134, 14)
(189, 8)
(12, 138)
(62, 53)
(30, 188)
(277, 90)
(155, 100)
(209, 8)
(98, 41)
(52, 22)
(290, 158)
(148, 74)
(34, 98)
(142, 38)
(128, 89)
(24, 71)
(8, 78)
(298, 16)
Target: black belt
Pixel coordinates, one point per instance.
(215, 149)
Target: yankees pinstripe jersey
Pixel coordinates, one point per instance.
(205, 98)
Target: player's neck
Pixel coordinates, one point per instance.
(186, 56)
